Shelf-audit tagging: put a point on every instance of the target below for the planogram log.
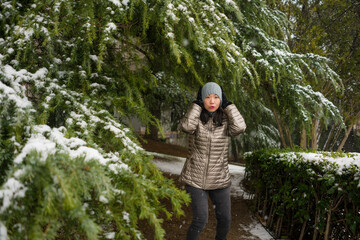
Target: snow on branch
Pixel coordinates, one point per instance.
(316, 100)
(11, 189)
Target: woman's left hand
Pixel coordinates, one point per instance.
(225, 101)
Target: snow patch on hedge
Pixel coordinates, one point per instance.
(339, 162)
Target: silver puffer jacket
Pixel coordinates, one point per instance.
(206, 166)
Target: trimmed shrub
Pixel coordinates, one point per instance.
(305, 195)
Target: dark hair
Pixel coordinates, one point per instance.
(217, 116)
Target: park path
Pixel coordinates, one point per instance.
(244, 226)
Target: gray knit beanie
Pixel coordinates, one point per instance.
(211, 88)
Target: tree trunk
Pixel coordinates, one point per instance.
(303, 138)
(277, 234)
(327, 229)
(318, 136)
(316, 218)
(314, 237)
(302, 233)
(278, 227)
(329, 137)
(315, 125)
(347, 133)
(288, 134)
(271, 215)
(345, 137)
(281, 132)
(265, 205)
(335, 138)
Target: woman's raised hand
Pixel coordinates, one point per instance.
(198, 99)
(225, 101)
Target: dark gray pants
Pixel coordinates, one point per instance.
(199, 203)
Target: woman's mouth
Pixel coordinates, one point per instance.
(212, 107)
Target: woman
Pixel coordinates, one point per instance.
(210, 120)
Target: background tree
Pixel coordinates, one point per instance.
(278, 93)
(329, 28)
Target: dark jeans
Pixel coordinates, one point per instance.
(199, 203)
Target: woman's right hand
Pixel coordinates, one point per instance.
(198, 99)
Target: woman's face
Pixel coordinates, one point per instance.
(212, 102)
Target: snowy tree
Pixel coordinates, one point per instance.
(285, 75)
(242, 46)
(69, 169)
(67, 67)
(330, 29)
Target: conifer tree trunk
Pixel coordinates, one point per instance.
(338, 132)
(303, 138)
(347, 134)
(343, 141)
(281, 132)
(288, 135)
(314, 130)
(329, 137)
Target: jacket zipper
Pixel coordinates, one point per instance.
(208, 158)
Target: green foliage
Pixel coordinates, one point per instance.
(64, 151)
(13, 130)
(303, 189)
(72, 191)
(141, 197)
(61, 196)
(6, 144)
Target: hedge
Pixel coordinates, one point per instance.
(305, 195)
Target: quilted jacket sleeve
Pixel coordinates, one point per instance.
(236, 121)
(190, 121)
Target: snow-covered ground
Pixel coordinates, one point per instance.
(173, 165)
